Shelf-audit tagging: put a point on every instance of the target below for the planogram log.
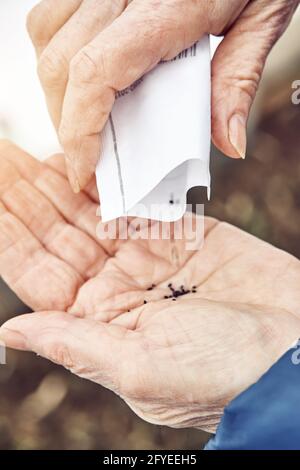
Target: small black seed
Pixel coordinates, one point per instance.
(150, 288)
(174, 300)
(145, 301)
(171, 201)
(179, 292)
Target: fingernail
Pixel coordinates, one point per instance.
(238, 135)
(13, 339)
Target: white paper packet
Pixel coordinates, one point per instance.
(156, 144)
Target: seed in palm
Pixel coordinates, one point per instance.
(175, 293)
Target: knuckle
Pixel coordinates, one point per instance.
(217, 19)
(247, 84)
(51, 67)
(83, 67)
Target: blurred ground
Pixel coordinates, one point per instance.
(44, 407)
(262, 194)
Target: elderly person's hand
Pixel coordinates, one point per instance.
(175, 363)
(89, 49)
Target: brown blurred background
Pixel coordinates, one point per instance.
(43, 406)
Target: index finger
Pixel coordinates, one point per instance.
(134, 43)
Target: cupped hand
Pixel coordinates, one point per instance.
(89, 49)
(175, 362)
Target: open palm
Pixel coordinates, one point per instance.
(175, 360)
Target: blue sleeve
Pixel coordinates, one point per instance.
(267, 415)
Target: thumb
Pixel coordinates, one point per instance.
(237, 68)
(89, 349)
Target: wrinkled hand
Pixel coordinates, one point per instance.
(175, 363)
(89, 49)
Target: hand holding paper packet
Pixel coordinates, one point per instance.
(156, 144)
(89, 51)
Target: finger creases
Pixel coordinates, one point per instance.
(40, 244)
(25, 263)
(89, 19)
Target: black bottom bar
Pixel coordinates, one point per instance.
(136, 459)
